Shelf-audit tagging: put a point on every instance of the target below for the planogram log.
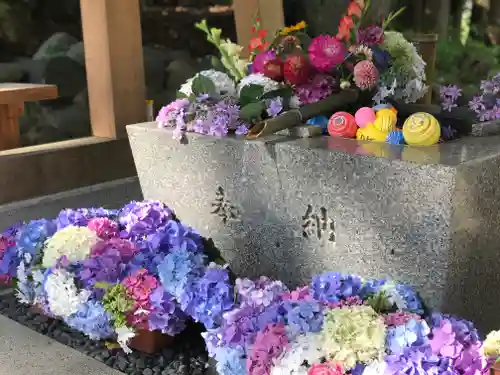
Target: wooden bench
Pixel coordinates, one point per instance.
(12, 99)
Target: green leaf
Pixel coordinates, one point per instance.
(284, 92)
(181, 95)
(203, 85)
(250, 94)
(252, 112)
(217, 64)
(103, 285)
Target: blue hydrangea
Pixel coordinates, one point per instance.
(31, 237)
(301, 316)
(333, 287)
(413, 333)
(212, 296)
(92, 320)
(141, 219)
(230, 361)
(9, 262)
(179, 269)
(413, 301)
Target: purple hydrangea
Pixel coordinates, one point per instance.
(333, 287)
(141, 219)
(260, 293)
(274, 107)
(418, 361)
(109, 267)
(464, 330)
(301, 316)
(81, 216)
(165, 315)
(31, 237)
(413, 333)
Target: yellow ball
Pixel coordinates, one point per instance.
(371, 133)
(421, 129)
(386, 120)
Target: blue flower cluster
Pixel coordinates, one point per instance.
(92, 319)
(333, 287)
(301, 316)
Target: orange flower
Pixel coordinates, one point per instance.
(257, 42)
(354, 9)
(346, 24)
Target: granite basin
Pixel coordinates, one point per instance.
(289, 208)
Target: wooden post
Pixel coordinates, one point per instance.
(270, 12)
(115, 68)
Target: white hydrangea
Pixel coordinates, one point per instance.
(73, 242)
(124, 335)
(223, 83)
(393, 296)
(306, 347)
(63, 296)
(377, 367)
(261, 80)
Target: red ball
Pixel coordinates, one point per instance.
(342, 124)
(296, 69)
(273, 69)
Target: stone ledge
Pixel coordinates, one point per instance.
(23, 351)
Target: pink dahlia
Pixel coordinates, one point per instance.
(326, 52)
(261, 60)
(366, 75)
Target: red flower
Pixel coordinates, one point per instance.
(258, 41)
(354, 9)
(346, 24)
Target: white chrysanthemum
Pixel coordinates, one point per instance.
(63, 296)
(261, 80)
(223, 83)
(492, 344)
(306, 347)
(124, 335)
(73, 242)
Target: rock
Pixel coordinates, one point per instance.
(10, 72)
(72, 121)
(57, 45)
(32, 70)
(77, 52)
(121, 363)
(68, 75)
(147, 371)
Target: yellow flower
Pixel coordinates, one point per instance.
(290, 29)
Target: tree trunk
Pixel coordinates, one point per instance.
(494, 22)
(437, 17)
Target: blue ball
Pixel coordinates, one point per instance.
(319, 121)
(396, 138)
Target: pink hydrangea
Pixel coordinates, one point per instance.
(139, 287)
(299, 294)
(260, 61)
(124, 248)
(325, 369)
(366, 75)
(269, 344)
(326, 52)
(105, 228)
(349, 301)
(164, 115)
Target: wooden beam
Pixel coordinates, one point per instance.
(270, 12)
(33, 171)
(115, 68)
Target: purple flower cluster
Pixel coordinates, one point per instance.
(301, 316)
(166, 316)
(449, 96)
(487, 103)
(141, 219)
(319, 86)
(81, 216)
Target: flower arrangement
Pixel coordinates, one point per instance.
(290, 69)
(114, 273)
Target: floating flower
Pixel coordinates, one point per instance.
(353, 334)
(275, 107)
(366, 75)
(125, 249)
(302, 316)
(326, 52)
(230, 361)
(75, 243)
(81, 216)
(165, 315)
